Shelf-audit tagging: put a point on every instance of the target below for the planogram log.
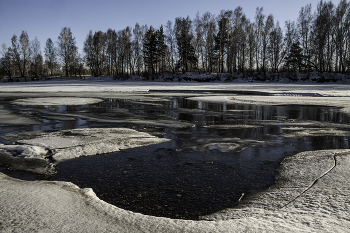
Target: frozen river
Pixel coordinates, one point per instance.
(188, 154)
(217, 155)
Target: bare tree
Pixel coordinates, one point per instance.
(137, 47)
(275, 48)
(341, 28)
(209, 31)
(198, 38)
(185, 43)
(66, 47)
(37, 58)
(21, 52)
(259, 25)
(221, 39)
(251, 46)
(321, 36)
(99, 49)
(304, 29)
(269, 24)
(171, 42)
(111, 37)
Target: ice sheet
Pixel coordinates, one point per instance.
(67, 144)
(57, 101)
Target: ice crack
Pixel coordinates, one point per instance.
(313, 183)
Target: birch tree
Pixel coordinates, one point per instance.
(37, 59)
(66, 47)
(21, 52)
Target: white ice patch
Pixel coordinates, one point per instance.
(57, 101)
(232, 126)
(222, 147)
(24, 151)
(317, 132)
(67, 144)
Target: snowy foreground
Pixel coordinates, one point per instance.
(311, 193)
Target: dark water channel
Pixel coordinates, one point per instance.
(230, 151)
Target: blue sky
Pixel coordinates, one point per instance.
(46, 18)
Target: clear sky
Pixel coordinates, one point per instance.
(45, 18)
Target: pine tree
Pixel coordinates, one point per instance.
(150, 50)
(295, 58)
(160, 47)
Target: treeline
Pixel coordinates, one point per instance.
(226, 43)
(24, 58)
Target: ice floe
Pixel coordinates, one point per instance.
(317, 132)
(57, 101)
(67, 144)
(231, 126)
(38, 152)
(24, 151)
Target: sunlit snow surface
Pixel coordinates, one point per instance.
(311, 192)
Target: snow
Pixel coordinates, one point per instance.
(231, 126)
(311, 193)
(108, 85)
(57, 101)
(68, 144)
(317, 132)
(24, 151)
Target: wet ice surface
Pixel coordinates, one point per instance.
(231, 150)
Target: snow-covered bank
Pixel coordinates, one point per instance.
(107, 85)
(311, 195)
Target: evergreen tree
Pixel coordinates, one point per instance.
(295, 58)
(160, 47)
(50, 55)
(150, 50)
(6, 62)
